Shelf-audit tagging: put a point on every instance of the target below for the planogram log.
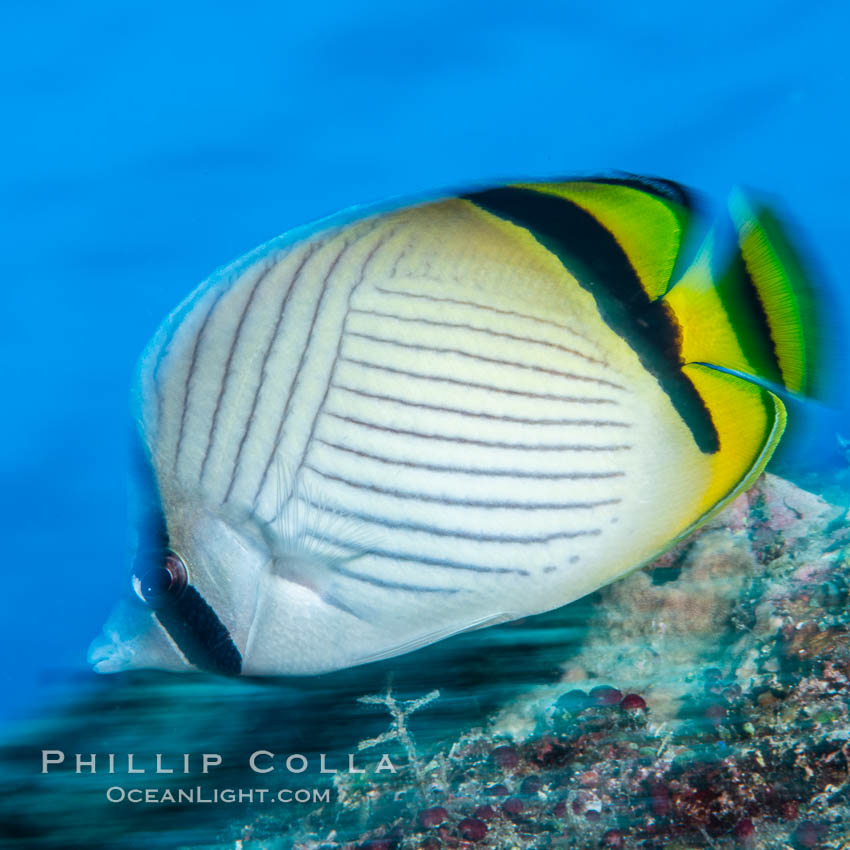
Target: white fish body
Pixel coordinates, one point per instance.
(386, 433)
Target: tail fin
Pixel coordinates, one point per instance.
(755, 316)
(750, 317)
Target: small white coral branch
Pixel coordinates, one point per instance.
(400, 710)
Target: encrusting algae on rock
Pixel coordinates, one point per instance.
(707, 707)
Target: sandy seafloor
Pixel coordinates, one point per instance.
(700, 702)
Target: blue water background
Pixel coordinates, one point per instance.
(144, 144)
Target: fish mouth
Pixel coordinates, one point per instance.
(133, 638)
(108, 655)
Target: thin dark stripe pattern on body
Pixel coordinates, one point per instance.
(537, 447)
(475, 385)
(389, 392)
(228, 365)
(494, 360)
(187, 387)
(519, 420)
(294, 382)
(478, 329)
(296, 276)
(467, 503)
(467, 470)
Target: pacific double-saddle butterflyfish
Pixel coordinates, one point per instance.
(365, 437)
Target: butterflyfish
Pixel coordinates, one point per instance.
(373, 433)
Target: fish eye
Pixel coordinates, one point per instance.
(163, 583)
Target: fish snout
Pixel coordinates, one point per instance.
(108, 655)
(132, 639)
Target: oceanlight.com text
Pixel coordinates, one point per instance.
(198, 795)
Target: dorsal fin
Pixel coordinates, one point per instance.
(648, 218)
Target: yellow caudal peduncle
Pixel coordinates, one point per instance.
(749, 422)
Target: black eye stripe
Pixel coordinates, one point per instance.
(200, 634)
(192, 624)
